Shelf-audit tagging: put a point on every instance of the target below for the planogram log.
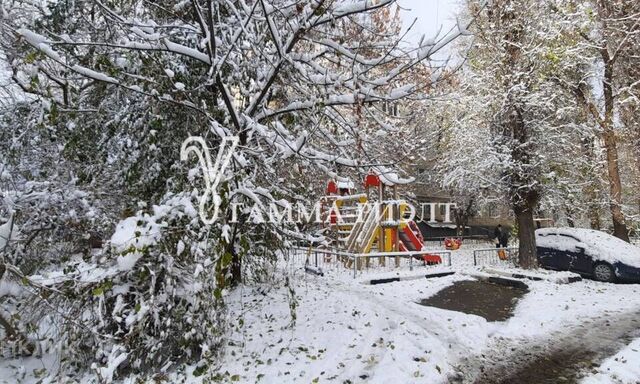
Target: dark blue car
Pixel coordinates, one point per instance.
(588, 252)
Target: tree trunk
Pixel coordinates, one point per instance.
(594, 219)
(591, 189)
(637, 152)
(236, 267)
(236, 262)
(570, 221)
(606, 123)
(615, 185)
(460, 219)
(527, 254)
(523, 196)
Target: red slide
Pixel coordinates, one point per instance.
(410, 242)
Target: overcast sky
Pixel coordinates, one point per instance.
(430, 16)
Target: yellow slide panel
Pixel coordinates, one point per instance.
(372, 239)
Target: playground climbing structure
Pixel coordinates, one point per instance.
(364, 223)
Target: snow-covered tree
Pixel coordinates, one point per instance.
(605, 32)
(514, 135)
(112, 90)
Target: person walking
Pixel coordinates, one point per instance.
(504, 238)
(497, 235)
(502, 241)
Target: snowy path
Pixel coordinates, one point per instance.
(621, 368)
(560, 357)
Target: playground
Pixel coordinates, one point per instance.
(373, 231)
(376, 223)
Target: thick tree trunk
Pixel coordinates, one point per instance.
(609, 138)
(527, 255)
(637, 153)
(523, 196)
(615, 187)
(606, 121)
(517, 136)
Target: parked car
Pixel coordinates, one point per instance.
(588, 252)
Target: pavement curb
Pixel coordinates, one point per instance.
(553, 279)
(407, 278)
(500, 280)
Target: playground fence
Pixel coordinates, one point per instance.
(466, 240)
(331, 259)
(491, 256)
(326, 259)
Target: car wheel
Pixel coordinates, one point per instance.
(604, 272)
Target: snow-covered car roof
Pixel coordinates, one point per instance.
(599, 245)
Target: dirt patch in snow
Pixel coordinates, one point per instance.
(558, 359)
(494, 302)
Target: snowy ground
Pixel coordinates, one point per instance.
(336, 329)
(346, 331)
(623, 368)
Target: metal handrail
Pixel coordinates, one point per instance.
(477, 251)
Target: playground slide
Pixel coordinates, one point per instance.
(410, 242)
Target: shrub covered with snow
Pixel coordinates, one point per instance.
(154, 302)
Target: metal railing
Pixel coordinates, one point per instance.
(474, 240)
(493, 256)
(328, 259)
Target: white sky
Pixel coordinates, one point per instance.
(430, 15)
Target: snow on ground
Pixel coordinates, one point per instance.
(348, 331)
(338, 329)
(623, 368)
(550, 307)
(559, 277)
(27, 369)
(345, 330)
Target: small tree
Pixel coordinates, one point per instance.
(465, 209)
